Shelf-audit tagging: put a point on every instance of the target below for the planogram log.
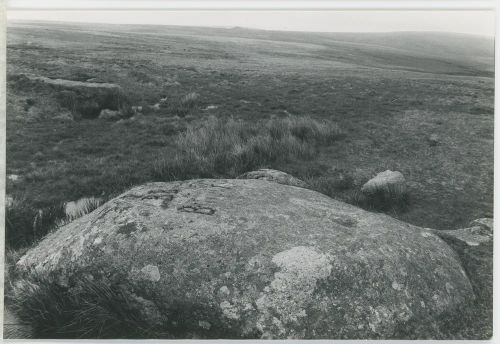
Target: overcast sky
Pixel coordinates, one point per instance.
(473, 22)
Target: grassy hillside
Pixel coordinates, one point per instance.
(386, 92)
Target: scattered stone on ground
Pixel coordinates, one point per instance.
(433, 140)
(8, 201)
(387, 182)
(64, 116)
(71, 83)
(136, 109)
(13, 177)
(274, 176)
(110, 115)
(255, 259)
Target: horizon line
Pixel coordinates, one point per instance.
(232, 27)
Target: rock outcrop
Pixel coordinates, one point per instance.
(238, 258)
(474, 246)
(83, 99)
(274, 176)
(72, 83)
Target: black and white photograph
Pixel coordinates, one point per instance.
(249, 174)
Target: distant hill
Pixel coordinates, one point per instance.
(438, 52)
(429, 52)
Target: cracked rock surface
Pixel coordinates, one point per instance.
(249, 258)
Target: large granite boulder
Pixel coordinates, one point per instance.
(247, 259)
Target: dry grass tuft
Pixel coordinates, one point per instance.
(26, 224)
(227, 148)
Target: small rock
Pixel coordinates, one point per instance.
(64, 116)
(13, 177)
(433, 140)
(204, 324)
(110, 115)
(388, 182)
(274, 176)
(485, 223)
(151, 273)
(396, 286)
(9, 201)
(39, 155)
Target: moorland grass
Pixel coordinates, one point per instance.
(213, 148)
(26, 224)
(93, 308)
(227, 148)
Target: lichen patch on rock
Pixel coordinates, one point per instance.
(286, 299)
(229, 311)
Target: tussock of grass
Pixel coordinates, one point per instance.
(189, 99)
(381, 200)
(88, 104)
(26, 223)
(227, 148)
(184, 105)
(88, 206)
(90, 309)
